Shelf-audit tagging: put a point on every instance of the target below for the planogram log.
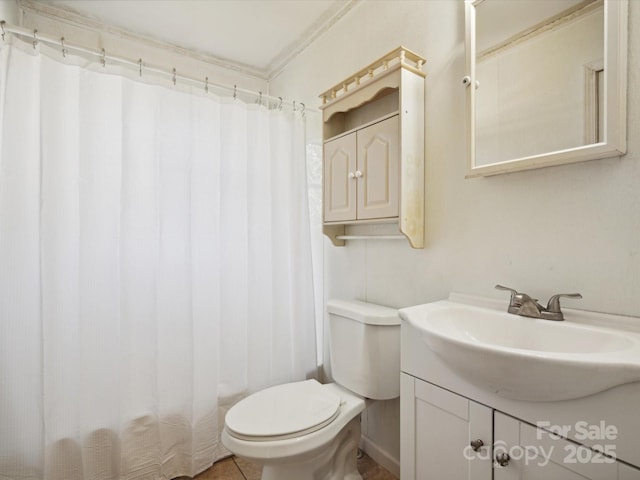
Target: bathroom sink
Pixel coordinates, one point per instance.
(524, 358)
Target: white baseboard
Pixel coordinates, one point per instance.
(382, 457)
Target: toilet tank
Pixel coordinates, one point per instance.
(364, 343)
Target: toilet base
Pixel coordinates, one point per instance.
(336, 461)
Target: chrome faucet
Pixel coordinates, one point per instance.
(523, 304)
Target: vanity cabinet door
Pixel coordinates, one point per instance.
(379, 169)
(535, 454)
(340, 183)
(626, 472)
(438, 428)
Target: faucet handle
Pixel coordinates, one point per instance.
(516, 300)
(554, 302)
(513, 291)
(516, 297)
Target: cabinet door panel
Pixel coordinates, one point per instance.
(445, 426)
(537, 455)
(378, 161)
(339, 187)
(626, 472)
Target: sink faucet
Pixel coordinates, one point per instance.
(523, 304)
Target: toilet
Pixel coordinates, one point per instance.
(308, 431)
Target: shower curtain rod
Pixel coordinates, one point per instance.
(36, 37)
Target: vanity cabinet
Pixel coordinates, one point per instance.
(446, 436)
(437, 431)
(373, 149)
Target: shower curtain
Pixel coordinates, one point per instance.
(155, 267)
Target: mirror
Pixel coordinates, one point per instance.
(545, 83)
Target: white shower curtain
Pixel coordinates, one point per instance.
(155, 267)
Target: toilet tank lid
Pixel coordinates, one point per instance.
(364, 312)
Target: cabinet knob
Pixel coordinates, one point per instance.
(476, 445)
(352, 175)
(502, 459)
(358, 174)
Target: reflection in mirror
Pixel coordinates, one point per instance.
(541, 70)
(533, 95)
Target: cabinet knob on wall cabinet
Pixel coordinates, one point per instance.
(502, 459)
(477, 444)
(358, 174)
(352, 175)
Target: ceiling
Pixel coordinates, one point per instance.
(260, 36)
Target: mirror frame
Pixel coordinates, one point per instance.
(615, 129)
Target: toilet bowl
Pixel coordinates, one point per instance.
(306, 445)
(306, 430)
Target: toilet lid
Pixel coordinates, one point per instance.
(284, 411)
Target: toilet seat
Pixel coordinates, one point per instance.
(284, 411)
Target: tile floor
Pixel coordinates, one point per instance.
(234, 468)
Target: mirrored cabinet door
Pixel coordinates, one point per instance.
(545, 83)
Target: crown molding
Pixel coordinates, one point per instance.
(324, 23)
(65, 14)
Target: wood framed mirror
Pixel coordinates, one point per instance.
(546, 83)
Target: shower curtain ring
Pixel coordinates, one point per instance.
(35, 39)
(64, 51)
(235, 91)
(303, 108)
(294, 106)
(174, 76)
(206, 84)
(103, 60)
(2, 22)
(280, 104)
(140, 67)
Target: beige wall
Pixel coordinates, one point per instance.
(9, 11)
(561, 229)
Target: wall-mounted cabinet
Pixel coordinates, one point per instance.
(373, 134)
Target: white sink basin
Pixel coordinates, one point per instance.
(525, 358)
